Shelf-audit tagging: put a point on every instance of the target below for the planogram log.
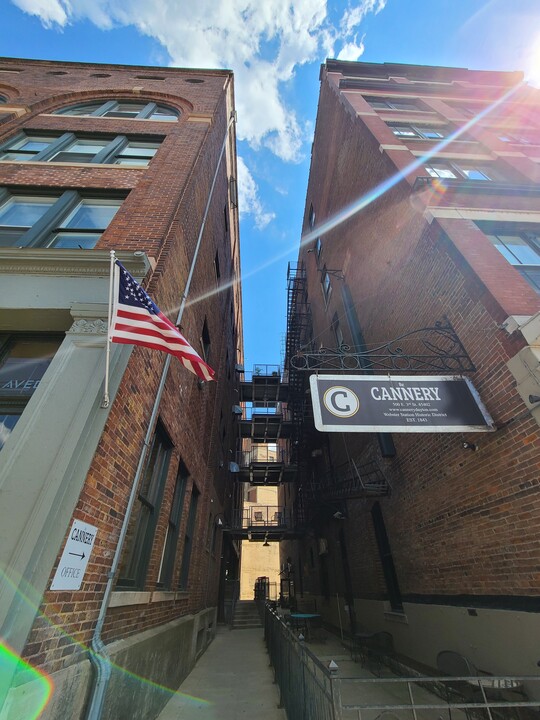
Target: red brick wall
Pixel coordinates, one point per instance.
(162, 216)
(459, 522)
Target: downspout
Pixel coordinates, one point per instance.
(99, 656)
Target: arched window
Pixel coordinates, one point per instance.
(122, 109)
(2, 99)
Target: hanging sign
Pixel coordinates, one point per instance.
(72, 566)
(384, 403)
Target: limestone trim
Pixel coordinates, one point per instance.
(531, 216)
(382, 148)
(60, 261)
(122, 598)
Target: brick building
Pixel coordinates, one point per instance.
(140, 160)
(423, 206)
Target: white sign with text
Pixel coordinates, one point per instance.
(72, 566)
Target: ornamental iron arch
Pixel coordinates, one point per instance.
(434, 348)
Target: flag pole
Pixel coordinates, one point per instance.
(106, 400)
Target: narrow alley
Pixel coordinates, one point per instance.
(232, 680)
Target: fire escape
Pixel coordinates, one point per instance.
(278, 440)
(359, 477)
(265, 430)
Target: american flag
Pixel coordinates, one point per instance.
(136, 320)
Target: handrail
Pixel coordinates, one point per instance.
(309, 689)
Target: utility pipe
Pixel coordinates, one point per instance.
(99, 656)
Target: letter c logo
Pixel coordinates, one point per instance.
(341, 402)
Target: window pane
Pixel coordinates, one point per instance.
(80, 151)
(162, 113)
(22, 211)
(399, 105)
(404, 132)
(136, 162)
(128, 110)
(473, 173)
(81, 109)
(92, 214)
(532, 275)
(11, 237)
(24, 365)
(122, 113)
(431, 134)
(140, 150)
(138, 154)
(377, 103)
(83, 241)
(515, 249)
(440, 171)
(17, 157)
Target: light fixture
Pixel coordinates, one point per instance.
(534, 399)
(339, 515)
(266, 543)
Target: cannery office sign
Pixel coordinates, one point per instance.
(384, 403)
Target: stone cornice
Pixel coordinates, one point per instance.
(68, 262)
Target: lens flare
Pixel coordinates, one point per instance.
(35, 697)
(38, 686)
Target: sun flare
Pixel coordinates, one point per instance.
(533, 71)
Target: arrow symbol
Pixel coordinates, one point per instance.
(77, 555)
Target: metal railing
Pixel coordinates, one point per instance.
(305, 685)
(262, 371)
(261, 454)
(261, 409)
(262, 516)
(309, 690)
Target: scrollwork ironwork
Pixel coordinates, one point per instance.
(426, 349)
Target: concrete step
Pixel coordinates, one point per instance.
(246, 625)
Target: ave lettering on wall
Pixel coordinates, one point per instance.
(72, 566)
(384, 403)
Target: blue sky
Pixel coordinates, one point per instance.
(275, 48)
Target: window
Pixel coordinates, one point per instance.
(205, 342)
(216, 266)
(23, 361)
(188, 539)
(387, 561)
(419, 131)
(521, 138)
(520, 246)
(326, 285)
(311, 217)
(318, 249)
(173, 527)
(140, 537)
(463, 171)
(65, 221)
(380, 103)
(470, 110)
(123, 109)
(336, 329)
(68, 147)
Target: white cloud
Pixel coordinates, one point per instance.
(248, 197)
(352, 51)
(50, 12)
(353, 16)
(263, 42)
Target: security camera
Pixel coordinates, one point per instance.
(469, 446)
